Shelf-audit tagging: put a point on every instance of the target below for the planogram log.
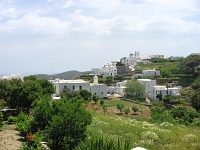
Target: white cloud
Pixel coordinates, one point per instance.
(68, 4)
(35, 24)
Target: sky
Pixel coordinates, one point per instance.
(54, 36)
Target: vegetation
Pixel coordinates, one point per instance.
(95, 98)
(134, 89)
(195, 98)
(135, 109)
(120, 107)
(1, 119)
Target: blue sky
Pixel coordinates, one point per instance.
(53, 36)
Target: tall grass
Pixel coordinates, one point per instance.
(108, 130)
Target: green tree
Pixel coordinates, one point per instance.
(195, 98)
(42, 113)
(67, 93)
(189, 64)
(134, 89)
(101, 102)
(68, 126)
(95, 98)
(126, 111)
(31, 77)
(109, 79)
(31, 92)
(120, 107)
(47, 87)
(135, 109)
(1, 119)
(159, 96)
(167, 98)
(104, 109)
(85, 94)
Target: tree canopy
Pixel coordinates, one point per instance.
(189, 64)
(134, 89)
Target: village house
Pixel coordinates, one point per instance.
(109, 69)
(77, 85)
(132, 60)
(148, 83)
(163, 90)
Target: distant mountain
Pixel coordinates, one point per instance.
(68, 75)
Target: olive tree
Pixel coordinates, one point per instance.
(134, 89)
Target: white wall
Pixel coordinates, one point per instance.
(155, 90)
(99, 89)
(147, 84)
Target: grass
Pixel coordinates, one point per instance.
(163, 136)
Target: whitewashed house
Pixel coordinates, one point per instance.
(74, 85)
(132, 60)
(120, 88)
(98, 89)
(109, 69)
(77, 85)
(148, 83)
(174, 91)
(152, 72)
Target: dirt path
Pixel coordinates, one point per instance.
(10, 138)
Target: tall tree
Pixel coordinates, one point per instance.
(134, 89)
(47, 87)
(195, 98)
(68, 126)
(189, 64)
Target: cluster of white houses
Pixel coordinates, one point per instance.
(101, 90)
(111, 69)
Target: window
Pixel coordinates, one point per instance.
(80, 88)
(95, 93)
(101, 92)
(65, 86)
(73, 87)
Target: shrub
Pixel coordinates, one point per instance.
(126, 111)
(1, 119)
(23, 124)
(120, 107)
(135, 109)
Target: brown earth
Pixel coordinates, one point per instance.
(144, 114)
(10, 138)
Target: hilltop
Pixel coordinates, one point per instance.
(67, 75)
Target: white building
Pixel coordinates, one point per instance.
(13, 76)
(120, 88)
(156, 56)
(155, 90)
(77, 85)
(132, 60)
(74, 85)
(152, 72)
(98, 89)
(148, 83)
(109, 69)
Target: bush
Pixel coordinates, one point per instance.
(1, 119)
(23, 124)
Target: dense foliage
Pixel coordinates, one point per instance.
(195, 98)
(21, 94)
(180, 114)
(189, 64)
(134, 89)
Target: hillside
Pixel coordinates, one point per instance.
(68, 75)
